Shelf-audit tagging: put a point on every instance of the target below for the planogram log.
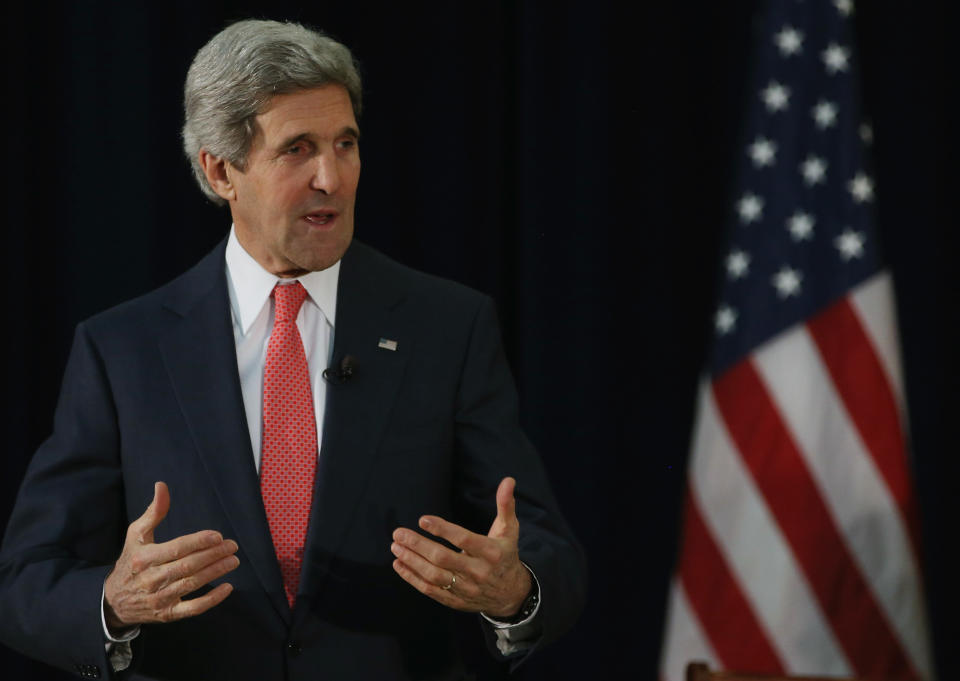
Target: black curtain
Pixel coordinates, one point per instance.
(572, 159)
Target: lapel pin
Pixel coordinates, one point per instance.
(387, 344)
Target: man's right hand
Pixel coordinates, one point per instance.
(149, 580)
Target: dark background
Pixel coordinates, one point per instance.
(572, 159)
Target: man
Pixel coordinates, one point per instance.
(325, 442)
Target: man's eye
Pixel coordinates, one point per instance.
(348, 144)
(295, 149)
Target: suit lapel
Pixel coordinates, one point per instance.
(358, 409)
(200, 357)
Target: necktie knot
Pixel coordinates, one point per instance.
(288, 299)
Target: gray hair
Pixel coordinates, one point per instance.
(235, 75)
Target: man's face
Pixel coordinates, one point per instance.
(293, 205)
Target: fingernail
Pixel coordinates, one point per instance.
(426, 523)
(397, 535)
(395, 549)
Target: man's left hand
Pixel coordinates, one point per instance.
(486, 575)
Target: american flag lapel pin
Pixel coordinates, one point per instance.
(387, 344)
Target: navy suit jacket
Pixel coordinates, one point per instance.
(151, 392)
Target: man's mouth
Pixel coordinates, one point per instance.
(320, 217)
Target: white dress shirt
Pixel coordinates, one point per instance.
(252, 309)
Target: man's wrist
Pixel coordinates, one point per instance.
(113, 633)
(528, 606)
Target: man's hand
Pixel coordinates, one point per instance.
(485, 576)
(149, 580)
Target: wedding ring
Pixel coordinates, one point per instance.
(453, 580)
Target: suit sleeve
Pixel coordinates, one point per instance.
(67, 527)
(491, 445)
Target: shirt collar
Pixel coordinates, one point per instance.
(250, 285)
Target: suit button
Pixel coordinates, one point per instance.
(294, 648)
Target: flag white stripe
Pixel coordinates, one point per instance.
(873, 302)
(849, 481)
(683, 638)
(757, 552)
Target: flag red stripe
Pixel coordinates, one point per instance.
(786, 484)
(860, 380)
(715, 596)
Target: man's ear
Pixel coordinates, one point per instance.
(215, 168)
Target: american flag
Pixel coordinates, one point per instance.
(800, 549)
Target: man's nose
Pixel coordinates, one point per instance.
(326, 174)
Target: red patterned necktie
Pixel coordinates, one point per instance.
(289, 453)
